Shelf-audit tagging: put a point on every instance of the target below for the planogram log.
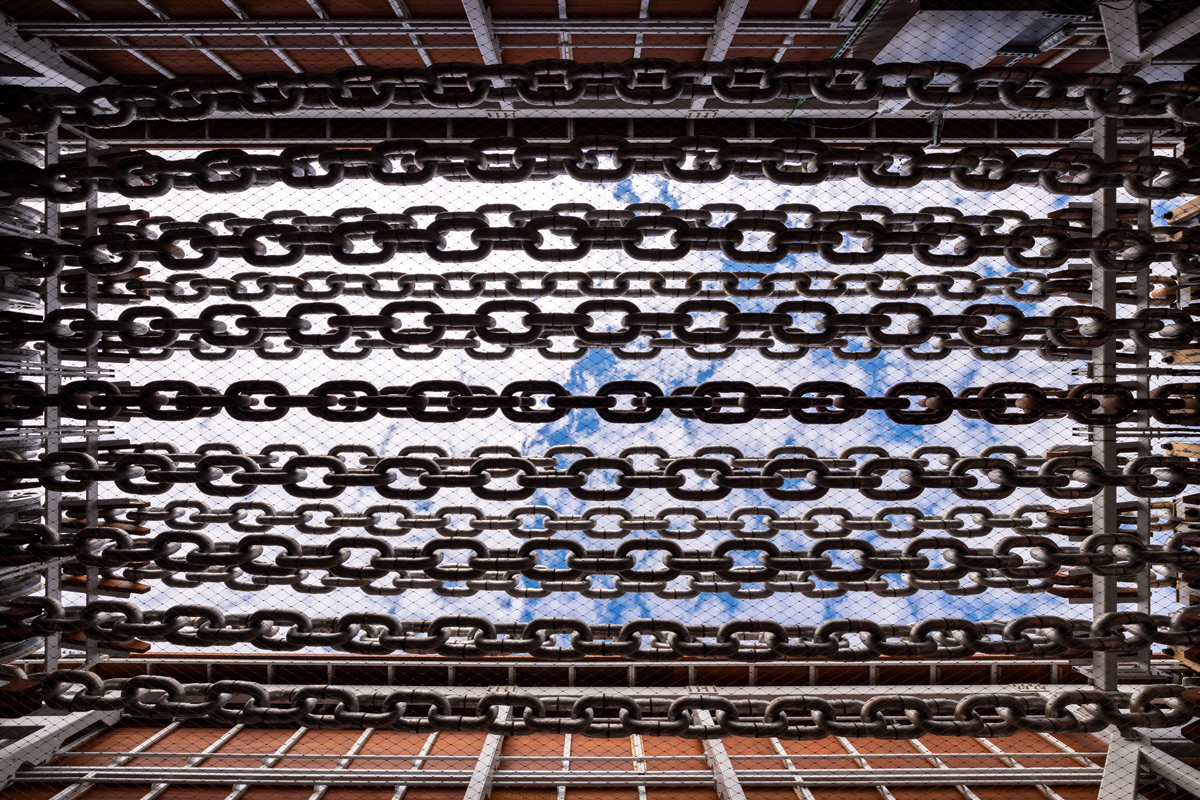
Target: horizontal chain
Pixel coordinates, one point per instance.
(791, 473)
(694, 159)
(791, 718)
(324, 518)
(422, 330)
(650, 232)
(460, 636)
(522, 571)
(1016, 286)
(539, 402)
(637, 82)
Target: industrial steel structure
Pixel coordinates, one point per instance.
(746, 399)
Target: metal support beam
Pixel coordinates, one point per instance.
(51, 357)
(725, 777)
(1104, 441)
(41, 57)
(480, 18)
(267, 40)
(643, 13)
(192, 40)
(790, 39)
(724, 29)
(725, 26)
(1173, 34)
(400, 9)
(42, 746)
(424, 26)
(319, 10)
(84, 19)
(1120, 779)
(480, 785)
(1122, 34)
(1156, 43)
(883, 776)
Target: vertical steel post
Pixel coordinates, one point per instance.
(1104, 439)
(53, 362)
(90, 223)
(1142, 377)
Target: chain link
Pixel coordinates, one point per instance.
(754, 641)
(359, 561)
(539, 402)
(935, 236)
(787, 162)
(991, 331)
(635, 82)
(793, 718)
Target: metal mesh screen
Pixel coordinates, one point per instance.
(448, 402)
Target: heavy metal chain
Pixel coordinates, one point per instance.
(788, 162)
(992, 331)
(791, 717)
(447, 401)
(188, 288)
(651, 232)
(358, 561)
(638, 82)
(324, 518)
(753, 641)
(593, 478)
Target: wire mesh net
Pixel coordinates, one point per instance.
(749, 399)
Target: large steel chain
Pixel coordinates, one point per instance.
(787, 162)
(638, 82)
(704, 329)
(359, 561)
(671, 522)
(798, 717)
(935, 236)
(1018, 286)
(791, 473)
(627, 402)
(749, 640)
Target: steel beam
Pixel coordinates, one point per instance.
(1172, 34)
(266, 40)
(615, 108)
(725, 777)
(42, 57)
(424, 27)
(479, 16)
(1121, 32)
(1120, 779)
(42, 746)
(52, 359)
(1104, 440)
(725, 26)
(923, 776)
(479, 786)
(1156, 43)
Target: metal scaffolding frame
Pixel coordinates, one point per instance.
(1130, 756)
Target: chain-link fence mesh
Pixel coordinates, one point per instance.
(749, 399)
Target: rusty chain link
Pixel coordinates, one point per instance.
(637, 82)
(794, 718)
(538, 402)
(991, 331)
(240, 564)
(750, 640)
(936, 236)
(695, 159)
